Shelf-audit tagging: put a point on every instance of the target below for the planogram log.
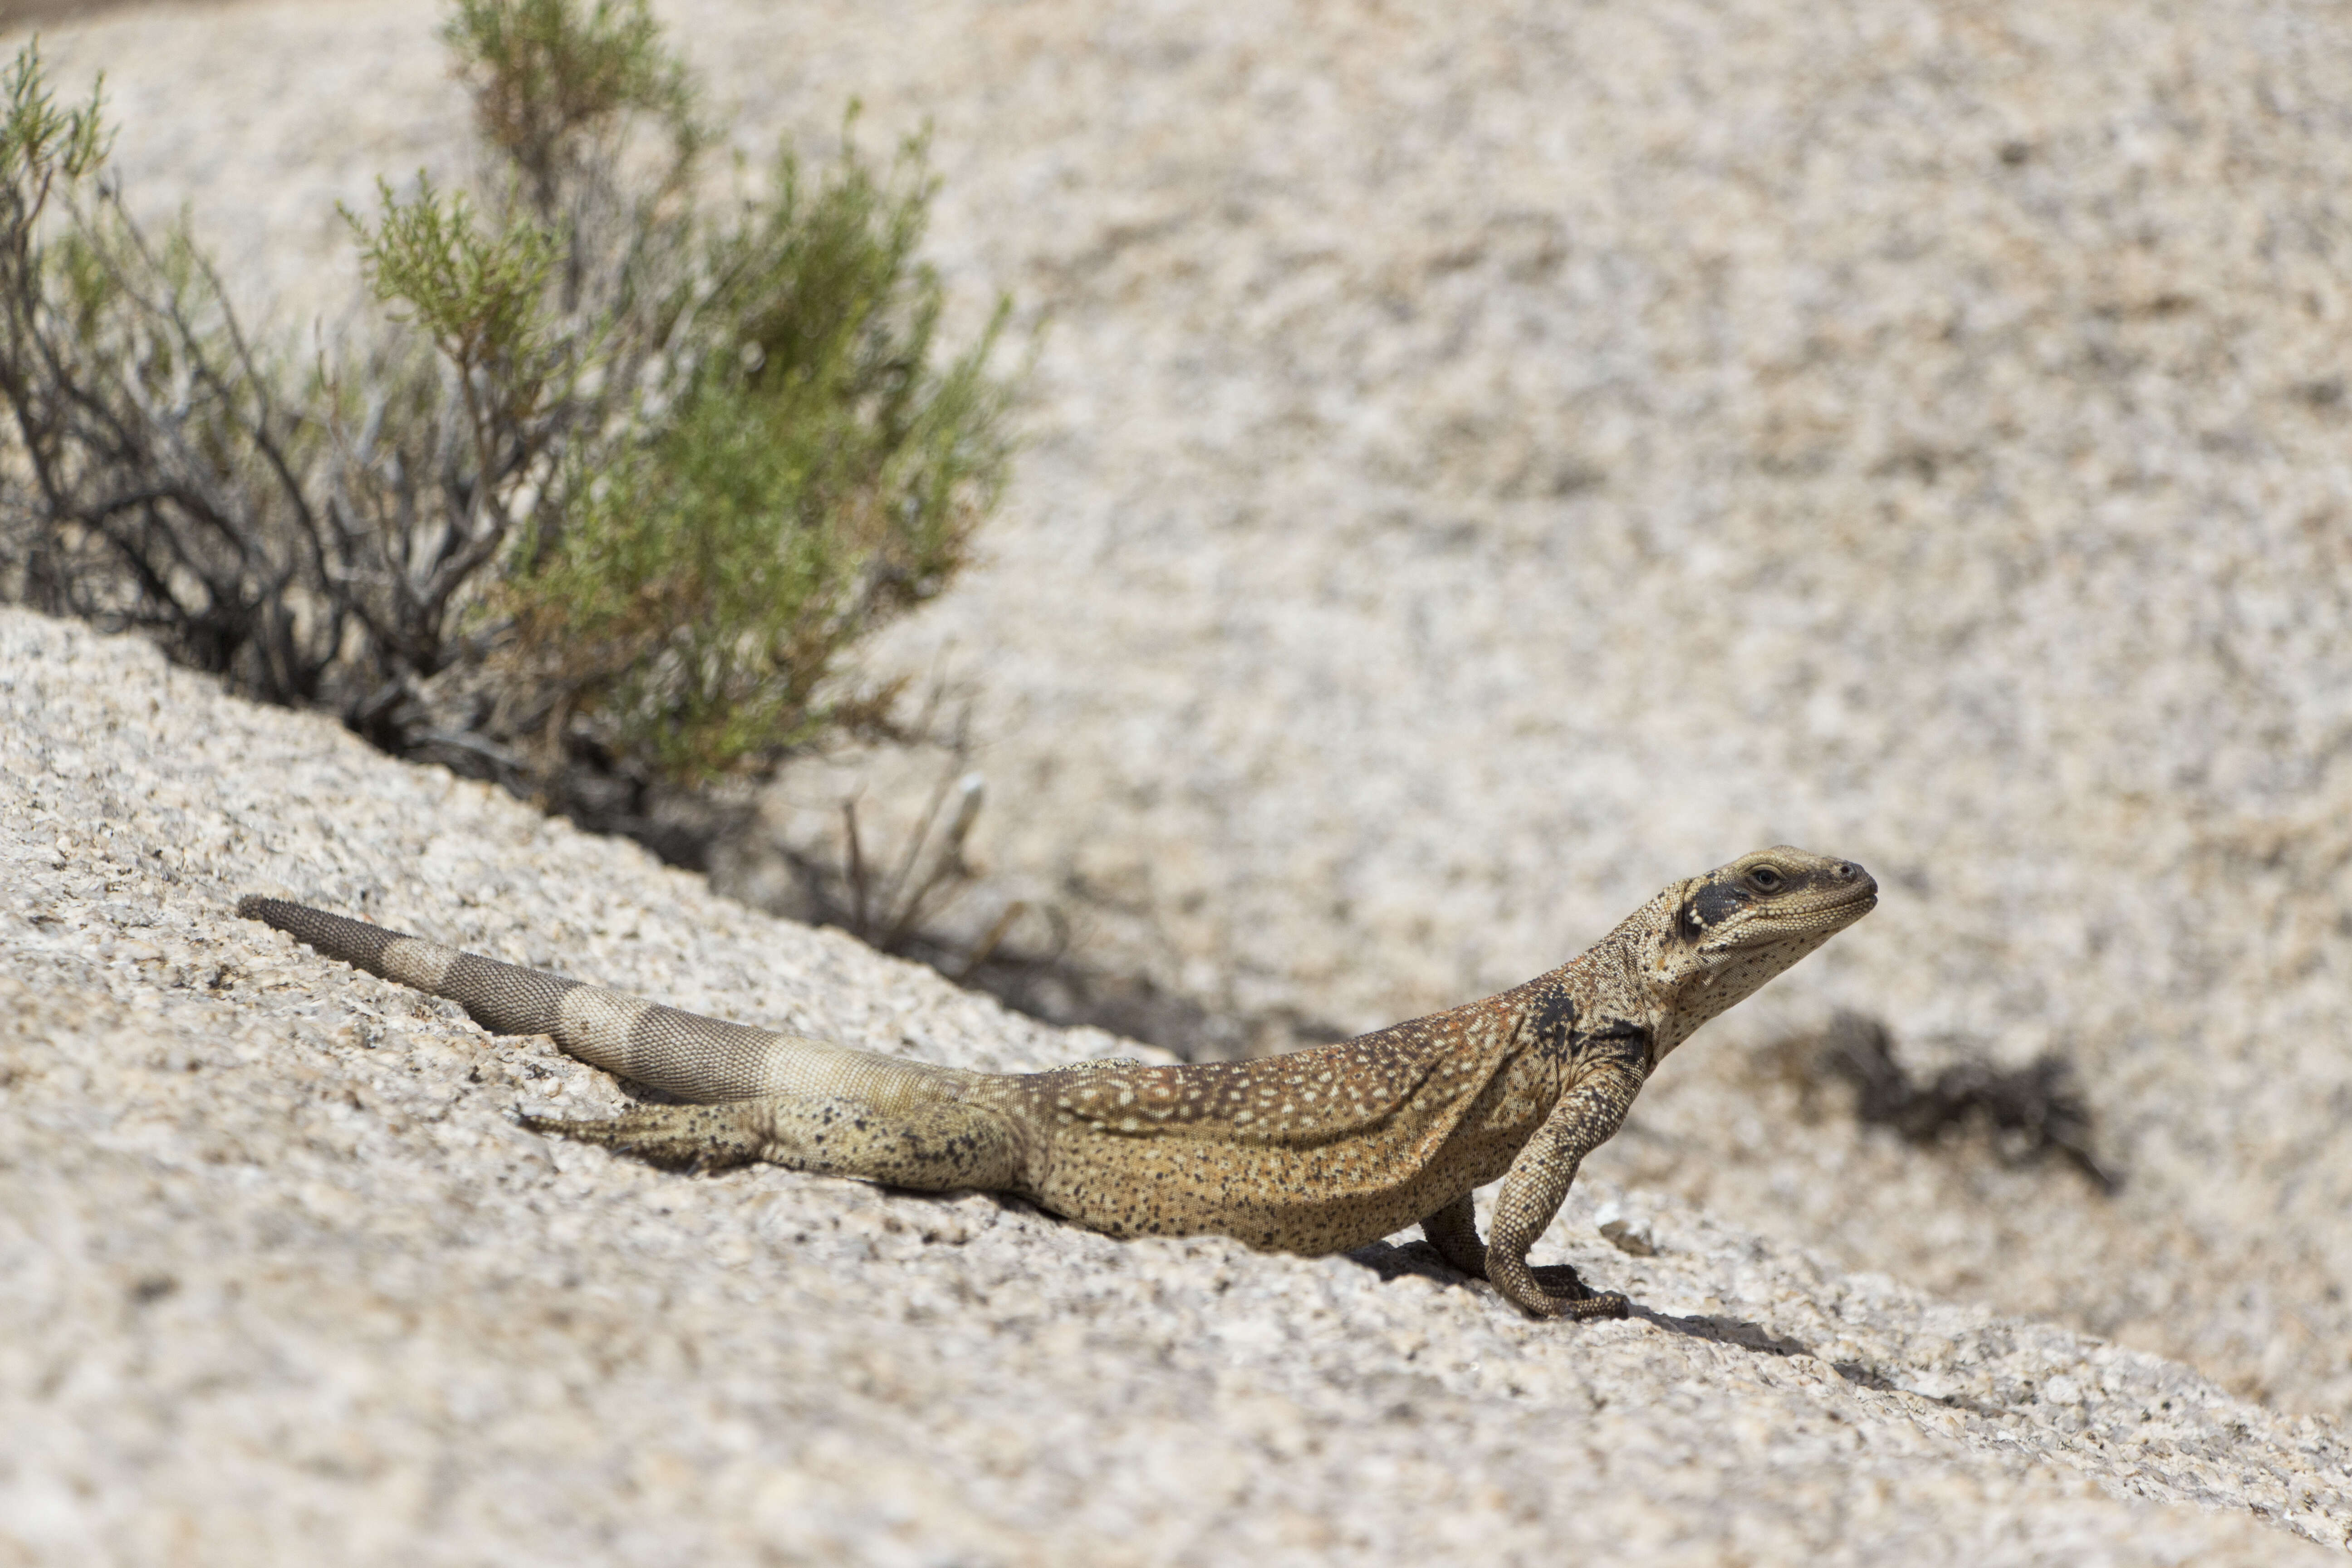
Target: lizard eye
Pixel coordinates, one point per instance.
(1766, 878)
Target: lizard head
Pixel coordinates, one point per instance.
(1716, 939)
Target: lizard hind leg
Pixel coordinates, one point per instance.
(1453, 1231)
(675, 1137)
(929, 1140)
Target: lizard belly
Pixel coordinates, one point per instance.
(1311, 1199)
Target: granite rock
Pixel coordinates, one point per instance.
(281, 1280)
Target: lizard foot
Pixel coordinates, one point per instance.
(1597, 1304)
(676, 1137)
(1565, 1295)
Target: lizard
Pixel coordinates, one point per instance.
(1320, 1150)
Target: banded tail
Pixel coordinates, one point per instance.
(811, 1104)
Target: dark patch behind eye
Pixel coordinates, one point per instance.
(1712, 904)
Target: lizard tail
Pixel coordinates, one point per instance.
(702, 1060)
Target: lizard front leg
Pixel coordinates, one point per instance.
(1585, 1118)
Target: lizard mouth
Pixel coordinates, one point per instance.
(1863, 892)
(1839, 913)
(1847, 905)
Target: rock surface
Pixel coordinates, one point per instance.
(281, 1281)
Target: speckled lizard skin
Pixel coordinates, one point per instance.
(1321, 1151)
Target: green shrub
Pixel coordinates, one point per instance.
(556, 88)
(814, 477)
(605, 499)
(155, 472)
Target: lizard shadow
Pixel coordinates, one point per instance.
(1723, 1331)
(1420, 1258)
